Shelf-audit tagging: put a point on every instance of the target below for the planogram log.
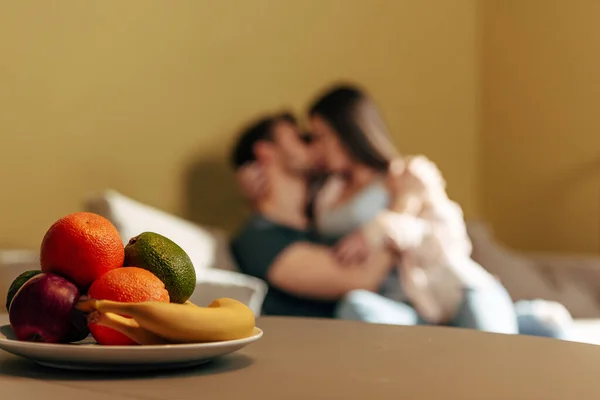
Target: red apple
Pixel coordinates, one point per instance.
(43, 311)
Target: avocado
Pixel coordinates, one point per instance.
(17, 283)
(165, 259)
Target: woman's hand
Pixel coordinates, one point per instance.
(415, 174)
(252, 181)
(399, 180)
(411, 181)
(404, 187)
(401, 231)
(353, 248)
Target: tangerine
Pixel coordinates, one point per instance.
(128, 285)
(82, 247)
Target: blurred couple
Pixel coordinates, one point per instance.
(345, 227)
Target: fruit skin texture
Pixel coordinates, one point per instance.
(128, 285)
(43, 310)
(165, 259)
(17, 283)
(82, 247)
(223, 319)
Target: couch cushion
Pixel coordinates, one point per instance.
(586, 331)
(527, 277)
(214, 283)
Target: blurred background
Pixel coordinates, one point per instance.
(145, 97)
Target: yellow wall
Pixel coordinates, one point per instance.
(541, 142)
(144, 96)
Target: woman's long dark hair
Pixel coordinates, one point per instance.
(358, 124)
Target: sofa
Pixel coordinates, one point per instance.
(216, 275)
(571, 280)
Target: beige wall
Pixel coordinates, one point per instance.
(144, 96)
(541, 141)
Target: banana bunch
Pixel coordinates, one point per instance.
(153, 322)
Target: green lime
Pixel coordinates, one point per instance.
(165, 259)
(17, 283)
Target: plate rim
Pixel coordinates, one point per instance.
(257, 334)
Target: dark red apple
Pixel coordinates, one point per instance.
(43, 311)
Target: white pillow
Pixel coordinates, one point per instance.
(208, 249)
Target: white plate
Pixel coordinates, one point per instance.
(87, 355)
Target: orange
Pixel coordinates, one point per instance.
(82, 247)
(129, 285)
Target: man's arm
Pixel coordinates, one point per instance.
(310, 270)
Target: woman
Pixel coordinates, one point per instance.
(431, 288)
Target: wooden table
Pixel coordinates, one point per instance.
(325, 359)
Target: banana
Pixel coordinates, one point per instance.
(127, 326)
(223, 319)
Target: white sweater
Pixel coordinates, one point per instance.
(435, 266)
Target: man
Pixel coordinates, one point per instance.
(277, 245)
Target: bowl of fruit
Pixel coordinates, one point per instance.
(97, 304)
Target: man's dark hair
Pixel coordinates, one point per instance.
(261, 130)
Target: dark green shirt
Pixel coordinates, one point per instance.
(256, 247)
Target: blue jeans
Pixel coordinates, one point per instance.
(534, 320)
(489, 310)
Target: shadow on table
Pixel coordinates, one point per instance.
(19, 367)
